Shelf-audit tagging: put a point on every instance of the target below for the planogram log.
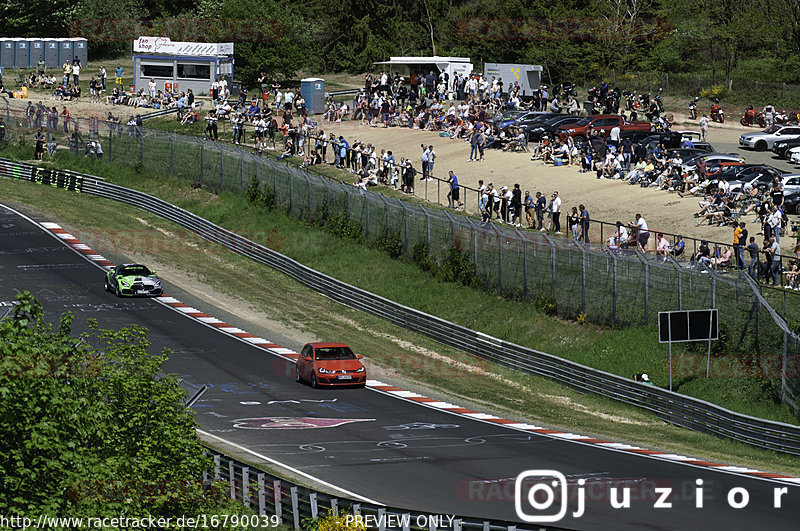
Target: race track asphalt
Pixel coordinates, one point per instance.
(387, 449)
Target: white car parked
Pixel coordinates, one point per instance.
(793, 155)
(765, 139)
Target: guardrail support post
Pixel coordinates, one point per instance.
(246, 486)
(262, 501)
(357, 509)
(335, 507)
(216, 468)
(295, 508)
(381, 519)
(457, 524)
(277, 492)
(312, 499)
(232, 479)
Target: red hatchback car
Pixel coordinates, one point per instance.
(330, 364)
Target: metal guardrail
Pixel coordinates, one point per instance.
(271, 495)
(668, 406)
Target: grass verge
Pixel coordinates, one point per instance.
(394, 354)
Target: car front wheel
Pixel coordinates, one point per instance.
(297, 377)
(761, 146)
(105, 284)
(314, 382)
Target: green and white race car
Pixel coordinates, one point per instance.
(132, 280)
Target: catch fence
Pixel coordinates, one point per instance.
(574, 279)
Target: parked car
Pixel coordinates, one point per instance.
(765, 139)
(791, 183)
(759, 175)
(791, 202)
(713, 160)
(600, 122)
(783, 146)
(675, 140)
(330, 364)
(550, 127)
(793, 155)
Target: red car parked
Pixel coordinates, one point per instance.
(330, 364)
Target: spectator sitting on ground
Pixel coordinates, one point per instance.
(289, 151)
(642, 378)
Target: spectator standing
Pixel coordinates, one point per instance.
(39, 150)
(41, 66)
(424, 161)
(642, 233)
(541, 206)
(703, 126)
(76, 72)
(530, 209)
(574, 220)
(753, 249)
(453, 199)
(555, 210)
(431, 159)
(738, 247)
(516, 206)
(66, 69)
(118, 72)
(585, 221)
(773, 252)
(103, 77)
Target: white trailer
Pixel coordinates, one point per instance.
(528, 76)
(423, 65)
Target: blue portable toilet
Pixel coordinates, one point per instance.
(51, 53)
(312, 90)
(37, 50)
(65, 51)
(7, 54)
(23, 56)
(80, 50)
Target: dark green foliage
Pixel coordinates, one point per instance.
(546, 303)
(390, 242)
(420, 253)
(455, 266)
(91, 427)
(339, 225)
(260, 196)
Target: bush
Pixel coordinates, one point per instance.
(456, 266)
(259, 196)
(339, 225)
(713, 92)
(332, 523)
(391, 242)
(420, 255)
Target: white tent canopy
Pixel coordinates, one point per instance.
(451, 65)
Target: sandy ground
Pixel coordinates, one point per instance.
(606, 200)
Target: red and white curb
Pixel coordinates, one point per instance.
(398, 392)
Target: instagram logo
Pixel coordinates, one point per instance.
(540, 490)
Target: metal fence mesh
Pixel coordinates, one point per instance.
(608, 287)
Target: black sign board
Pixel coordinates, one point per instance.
(688, 325)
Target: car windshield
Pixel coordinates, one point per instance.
(585, 121)
(772, 129)
(334, 353)
(558, 120)
(511, 115)
(134, 270)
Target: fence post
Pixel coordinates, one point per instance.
(221, 167)
(646, 290)
(110, 145)
(216, 468)
(583, 278)
(714, 291)
(613, 289)
(278, 495)
(232, 479)
(246, 486)
(552, 267)
(171, 153)
(312, 499)
(499, 258)
(524, 261)
(347, 203)
(295, 508)
(474, 245)
(428, 228)
(405, 224)
(452, 225)
(680, 287)
(141, 145)
(291, 190)
(262, 502)
(308, 186)
(202, 149)
(783, 367)
(366, 216)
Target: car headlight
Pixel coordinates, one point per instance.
(361, 369)
(124, 283)
(323, 370)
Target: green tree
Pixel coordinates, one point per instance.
(90, 427)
